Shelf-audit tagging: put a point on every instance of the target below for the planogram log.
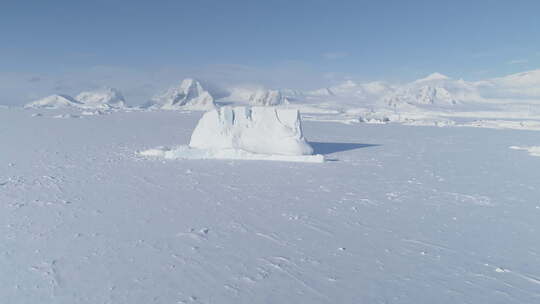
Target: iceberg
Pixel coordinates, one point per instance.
(256, 133)
(265, 130)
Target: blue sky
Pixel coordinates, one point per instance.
(298, 41)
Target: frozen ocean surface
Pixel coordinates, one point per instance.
(398, 214)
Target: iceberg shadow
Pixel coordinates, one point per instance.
(333, 147)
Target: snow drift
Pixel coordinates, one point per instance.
(105, 98)
(263, 133)
(54, 102)
(190, 95)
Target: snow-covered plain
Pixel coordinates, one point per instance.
(398, 214)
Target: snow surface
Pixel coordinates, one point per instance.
(403, 215)
(188, 95)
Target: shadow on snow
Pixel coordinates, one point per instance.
(333, 147)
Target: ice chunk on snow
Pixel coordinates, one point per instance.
(264, 130)
(267, 98)
(189, 95)
(105, 98)
(533, 150)
(54, 102)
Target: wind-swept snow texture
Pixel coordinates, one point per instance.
(189, 95)
(405, 215)
(105, 98)
(263, 130)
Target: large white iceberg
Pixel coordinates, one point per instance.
(264, 130)
(263, 133)
(189, 95)
(54, 102)
(105, 98)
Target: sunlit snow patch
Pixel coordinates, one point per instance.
(257, 133)
(533, 150)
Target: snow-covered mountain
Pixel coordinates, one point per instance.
(525, 85)
(321, 92)
(105, 98)
(422, 95)
(55, 101)
(268, 98)
(435, 89)
(190, 94)
(241, 93)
